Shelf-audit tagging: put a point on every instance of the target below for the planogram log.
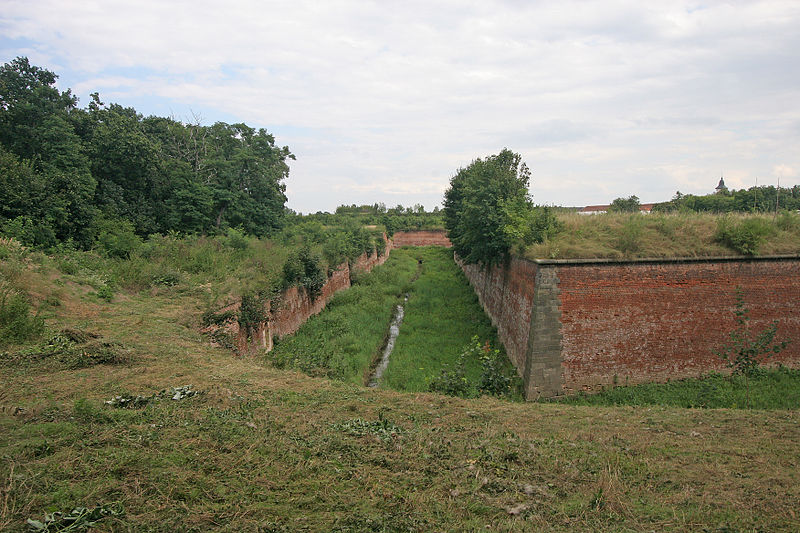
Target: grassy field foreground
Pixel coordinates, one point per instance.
(264, 449)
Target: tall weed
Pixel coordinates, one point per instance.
(17, 323)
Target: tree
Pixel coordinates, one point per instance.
(625, 205)
(483, 206)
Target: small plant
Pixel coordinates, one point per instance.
(129, 401)
(78, 519)
(381, 428)
(452, 381)
(494, 378)
(748, 350)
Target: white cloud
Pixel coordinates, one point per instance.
(602, 99)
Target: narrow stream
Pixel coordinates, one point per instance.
(394, 331)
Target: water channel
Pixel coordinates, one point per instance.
(394, 331)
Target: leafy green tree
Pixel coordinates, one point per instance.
(35, 126)
(625, 205)
(485, 207)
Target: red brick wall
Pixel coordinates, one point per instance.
(656, 321)
(641, 320)
(421, 238)
(294, 307)
(507, 297)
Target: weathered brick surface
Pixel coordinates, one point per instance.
(295, 307)
(632, 321)
(421, 238)
(507, 297)
(663, 320)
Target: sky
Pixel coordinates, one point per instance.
(384, 101)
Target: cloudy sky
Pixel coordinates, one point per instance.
(384, 101)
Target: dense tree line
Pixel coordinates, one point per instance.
(393, 219)
(763, 199)
(70, 174)
(488, 210)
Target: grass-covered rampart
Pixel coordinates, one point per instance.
(618, 236)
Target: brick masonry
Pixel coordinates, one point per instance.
(421, 238)
(594, 323)
(294, 307)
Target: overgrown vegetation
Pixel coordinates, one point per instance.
(623, 235)
(442, 315)
(18, 323)
(274, 450)
(341, 342)
(497, 377)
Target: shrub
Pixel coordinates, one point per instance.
(788, 221)
(629, 240)
(744, 237)
(115, 237)
(16, 322)
(236, 239)
(453, 381)
(30, 232)
(304, 269)
(252, 311)
(494, 379)
(380, 245)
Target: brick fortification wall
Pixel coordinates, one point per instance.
(421, 238)
(590, 323)
(294, 306)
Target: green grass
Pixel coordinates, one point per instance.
(265, 449)
(623, 236)
(768, 389)
(342, 341)
(441, 317)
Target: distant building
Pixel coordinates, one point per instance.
(644, 209)
(721, 188)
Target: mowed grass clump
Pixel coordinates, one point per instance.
(441, 317)
(777, 388)
(623, 236)
(342, 341)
